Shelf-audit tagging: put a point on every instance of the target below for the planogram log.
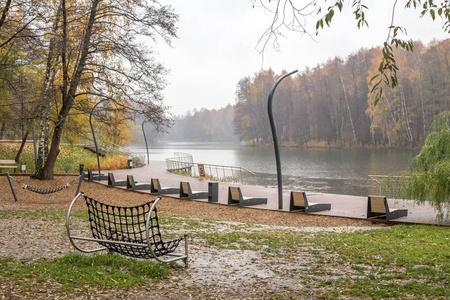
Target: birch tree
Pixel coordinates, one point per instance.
(98, 53)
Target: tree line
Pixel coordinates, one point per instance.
(202, 126)
(330, 105)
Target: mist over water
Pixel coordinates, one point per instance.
(337, 171)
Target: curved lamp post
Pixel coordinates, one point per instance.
(93, 135)
(275, 139)
(146, 145)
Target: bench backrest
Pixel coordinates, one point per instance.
(111, 180)
(7, 161)
(377, 204)
(155, 184)
(185, 187)
(299, 198)
(235, 193)
(130, 182)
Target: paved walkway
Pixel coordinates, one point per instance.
(341, 205)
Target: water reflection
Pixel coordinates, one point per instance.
(340, 171)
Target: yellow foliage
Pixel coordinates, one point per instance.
(107, 163)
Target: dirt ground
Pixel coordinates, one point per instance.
(213, 273)
(167, 206)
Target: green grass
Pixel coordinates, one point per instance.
(75, 270)
(406, 260)
(42, 214)
(69, 158)
(68, 161)
(398, 262)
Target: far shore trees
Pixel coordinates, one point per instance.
(329, 105)
(288, 15)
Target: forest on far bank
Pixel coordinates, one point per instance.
(330, 105)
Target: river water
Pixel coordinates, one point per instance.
(337, 171)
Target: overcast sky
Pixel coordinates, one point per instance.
(218, 38)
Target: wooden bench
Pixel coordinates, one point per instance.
(133, 185)
(157, 189)
(8, 164)
(378, 207)
(113, 182)
(132, 231)
(91, 176)
(235, 197)
(187, 192)
(299, 202)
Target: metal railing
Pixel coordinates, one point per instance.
(385, 189)
(183, 164)
(138, 158)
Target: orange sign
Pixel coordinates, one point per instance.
(201, 170)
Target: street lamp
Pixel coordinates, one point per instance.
(275, 139)
(93, 135)
(146, 145)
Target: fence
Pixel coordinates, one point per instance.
(137, 158)
(387, 185)
(183, 164)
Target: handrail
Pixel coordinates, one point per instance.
(121, 150)
(380, 180)
(183, 163)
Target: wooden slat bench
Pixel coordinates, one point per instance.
(113, 182)
(157, 189)
(235, 197)
(377, 207)
(299, 202)
(134, 185)
(8, 164)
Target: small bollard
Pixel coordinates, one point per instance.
(130, 164)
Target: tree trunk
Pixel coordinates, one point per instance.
(347, 105)
(24, 139)
(409, 135)
(2, 130)
(69, 85)
(47, 97)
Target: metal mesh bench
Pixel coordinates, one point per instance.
(130, 231)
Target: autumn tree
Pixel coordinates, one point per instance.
(330, 104)
(296, 16)
(95, 51)
(18, 72)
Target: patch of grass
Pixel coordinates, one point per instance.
(404, 260)
(270, 241)
(75, 270)
(42, 214)
(69, 158)
(399, 262)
